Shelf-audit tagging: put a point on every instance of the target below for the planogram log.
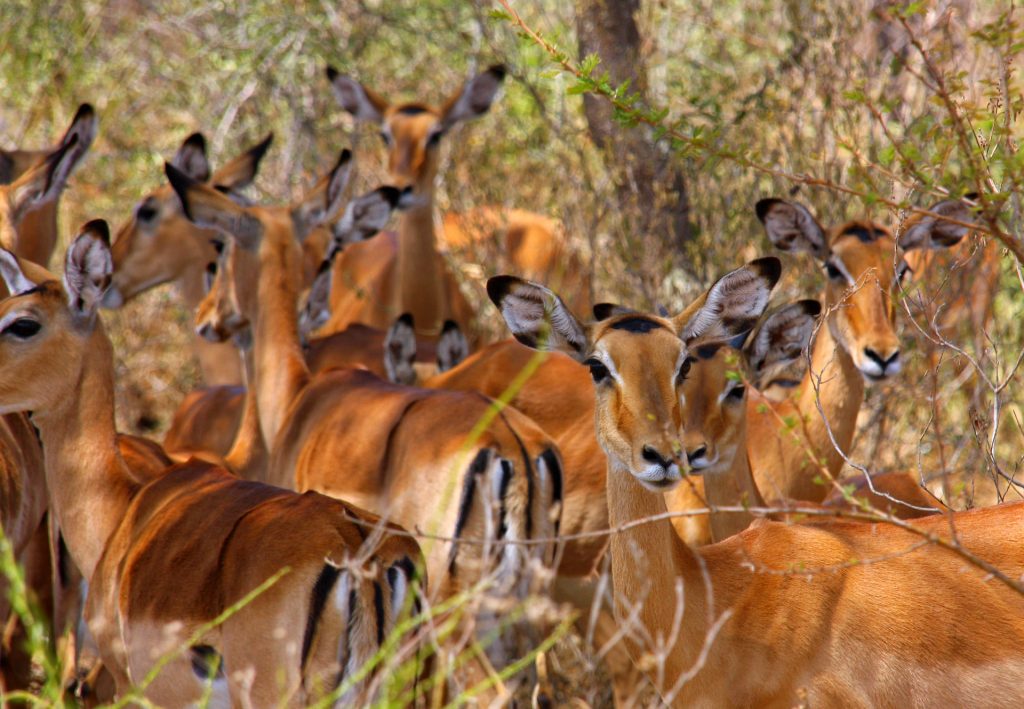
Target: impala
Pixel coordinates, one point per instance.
(412, 455)
(824, 614)
(858, 341)
(37, 226)
(166, 553)
(159, 245)
(376, 281)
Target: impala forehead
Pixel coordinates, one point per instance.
(855, 256)
(639, 347)
(408, 123)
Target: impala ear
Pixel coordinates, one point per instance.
(537, 317)
(792, 227)
(324, 200)
(474, 98)
(400, 351)
(87, 270)
(366, 215)
(191, 158)
(210, 208)
(933, 232)
(361, 102)
(44, 181)
(603, 311)
(240, 172)
(780, 338)
(731, 307)
(452, 348)
(13, 275)
(317, 310)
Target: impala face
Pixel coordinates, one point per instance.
(864, 270)
(715, 392)
(412, 132)
(40, 315)
(159, 244)
(639, 362)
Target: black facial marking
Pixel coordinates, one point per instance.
(636, 325)
(708, 351)
(864, 233)
(476, 468)
(378, 607)
(412, 109)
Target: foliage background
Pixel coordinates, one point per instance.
(834, 90)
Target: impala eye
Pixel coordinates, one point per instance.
(218, 245)
(598, 370)
(833, 272)
(146, 212)
(23, 328)
(684, 370)
(434, 139)
(736, 393)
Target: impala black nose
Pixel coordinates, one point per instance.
(882, 362)
(652, 456)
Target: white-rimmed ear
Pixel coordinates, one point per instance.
(792, 227)
(211, 208)
(366, 215)
(322, 203)
(87, 269)
(45, 181)
(191, 158)
(780, 338)
(317, 310)
(933, 232)
(732, 306)
(400, 351)
(474, 98)
(240, 172)
(14, 278)
(361, 102)
(452, 347)
(537, 317)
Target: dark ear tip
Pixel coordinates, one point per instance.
(499, 71)
(196, 140)
(768, 266)
(449, 326)
(603, 311)
(405, 319)
(390, 194)
(84, 111)
(345, 156)
(763, 205)
(499, 286)
(260, 149)
(973, 196)
(98, 228)
(332, 73)
(811, 307)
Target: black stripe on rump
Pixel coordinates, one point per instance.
(318, 598)
(555, 466)
(478, 466)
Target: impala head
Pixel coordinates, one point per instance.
(864, 270)
(46, 328)
(639, 362)
(159, 244)
(15, 163)
(715, 391)
(412, 132)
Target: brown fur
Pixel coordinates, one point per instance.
(219, 537)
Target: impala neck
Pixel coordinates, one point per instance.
(281, 370)
(652, 569)
(89, 482)
(420, 286)
(840, 387)
(734, 487)
(247, 457)
(37, 234)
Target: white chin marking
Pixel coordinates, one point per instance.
(657, 478)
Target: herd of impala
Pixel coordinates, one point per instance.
(291, 531)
